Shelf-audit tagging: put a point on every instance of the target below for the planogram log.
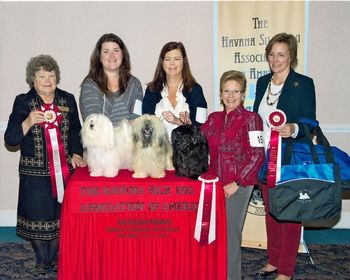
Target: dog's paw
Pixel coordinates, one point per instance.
(158, 175)
(96, 173)
(170, 168)
(139, 175)
(111, 174)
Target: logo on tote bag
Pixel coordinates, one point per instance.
(304, 196)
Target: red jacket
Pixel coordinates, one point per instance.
(231, 154)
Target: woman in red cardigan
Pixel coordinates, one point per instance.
(236, 154)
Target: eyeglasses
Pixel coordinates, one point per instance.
(233, 92)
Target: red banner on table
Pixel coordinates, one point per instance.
(123, 194)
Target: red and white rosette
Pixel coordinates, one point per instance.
(59, 170)
(276, 119)
(205, 229)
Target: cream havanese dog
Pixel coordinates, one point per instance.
(108, 148)
(152, 153)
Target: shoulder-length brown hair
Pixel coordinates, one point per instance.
(291, 43)
(96, 72)
(159, 78)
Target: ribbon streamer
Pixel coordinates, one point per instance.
(205, 231)
(59, 170)
(276, 119)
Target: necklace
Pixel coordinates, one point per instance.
(270, 94)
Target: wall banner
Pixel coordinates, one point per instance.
(243, 29)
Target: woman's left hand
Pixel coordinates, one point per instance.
(185, 118)
(230, 189)
(77, 161)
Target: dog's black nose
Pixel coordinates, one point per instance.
(91, 125)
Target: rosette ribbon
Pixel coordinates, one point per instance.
(276, 119)
(59, 170)
(205, 229)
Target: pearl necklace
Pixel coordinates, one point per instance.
(270, 94)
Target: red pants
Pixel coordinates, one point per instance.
(283, 239)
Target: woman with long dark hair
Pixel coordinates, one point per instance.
(109, 88)
(174, 95)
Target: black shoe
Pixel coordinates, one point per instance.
(264, 274)
(40, 269)
(53, 266)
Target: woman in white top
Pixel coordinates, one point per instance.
(174, 95)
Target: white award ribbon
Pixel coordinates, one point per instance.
(57, 164)
(200, 213)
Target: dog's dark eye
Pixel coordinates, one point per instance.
(91, 125)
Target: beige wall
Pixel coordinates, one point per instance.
(69, 31)
(329, 58)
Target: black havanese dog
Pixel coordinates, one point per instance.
(190, 151)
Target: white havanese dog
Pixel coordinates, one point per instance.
(108, 148)
(152, 153)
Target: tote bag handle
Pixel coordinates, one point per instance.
(322, 140)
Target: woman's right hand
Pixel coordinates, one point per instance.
(169, 117)
(32, 119)
(230, 189)
(35, 117)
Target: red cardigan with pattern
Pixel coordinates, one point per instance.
(231, 155)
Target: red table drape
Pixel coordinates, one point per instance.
(126, 228)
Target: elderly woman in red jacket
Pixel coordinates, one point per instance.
(236, 154)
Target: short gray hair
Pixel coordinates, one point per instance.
(44, 62)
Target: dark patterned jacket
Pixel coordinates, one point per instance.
(34, 159)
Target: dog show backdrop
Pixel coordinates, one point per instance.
(243, 31)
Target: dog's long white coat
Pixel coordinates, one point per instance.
(108, 149)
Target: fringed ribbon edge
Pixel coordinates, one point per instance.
(205, 229)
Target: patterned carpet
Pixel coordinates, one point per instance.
(332, 262)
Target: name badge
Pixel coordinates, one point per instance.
(138, 107)
(256, 138)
